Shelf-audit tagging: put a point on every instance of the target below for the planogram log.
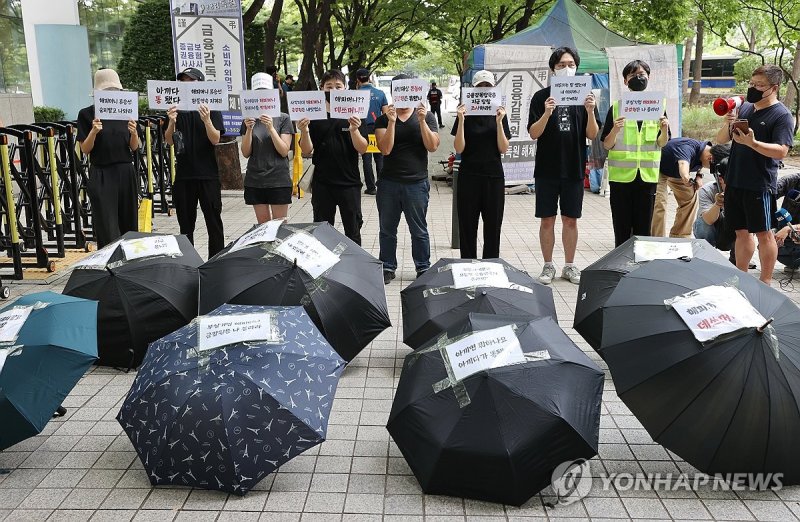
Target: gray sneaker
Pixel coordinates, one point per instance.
(571, 274)
(547, 275)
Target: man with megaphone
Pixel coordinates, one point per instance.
(762, 136)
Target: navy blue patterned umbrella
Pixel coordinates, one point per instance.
(210, 413)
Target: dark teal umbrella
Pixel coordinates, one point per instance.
(41, 364)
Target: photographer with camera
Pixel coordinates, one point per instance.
(788, 236)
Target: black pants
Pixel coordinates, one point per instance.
(480, 196)
(186, 194)
(632, 208)
(113, 193)
(369, 175)
(436, 108)
(325, 199)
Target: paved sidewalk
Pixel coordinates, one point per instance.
(83, 467)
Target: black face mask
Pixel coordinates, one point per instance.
(754, 95)
(327, 96)
(638, 83)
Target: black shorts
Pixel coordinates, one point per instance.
(748, 209)
(268, 196)
(552, 193)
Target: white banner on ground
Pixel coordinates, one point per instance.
(345, 104)
(570, 90)
(161, 95)
(466, 275)
(521, 70)
(221, 330)
(716, 310)
(150, 246)
(409, 94)
(644, 250)
(310, 255)
(11, 322)
(262, 101)
(99, 258)
(645, 105)
(482, 101)
(264, 233)
(306, 104)
(116, 105)
(484, 350)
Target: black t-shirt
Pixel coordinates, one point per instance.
(747, 168)
(197, 160)
(434, 96)
(408, 161)
(335, 158)
(111, 145)
(561, 149)
(480, 156)
(681, 149)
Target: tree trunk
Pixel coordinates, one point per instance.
(230, 170)
(309, 13)
(687, 62)
(792, 100)
(271, 34)
(697, 73)
(252, 11)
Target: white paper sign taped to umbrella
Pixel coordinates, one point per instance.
(310, 255)
(98, 258)
(570, 90)
(220, 330)
(306, 104)
(11, 321)
(150, 246)
(466, 275)
(644, 250)
(716, 310)
(116, 105)
(264, 233)
(483, 350)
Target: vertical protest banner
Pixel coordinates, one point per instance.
(643, 105)
(262, 101)
(409, 94)
(345, 104)
(482, 101)
(116, 105)
(570, 90)
(520, 70)
(207, 35)
(306, 104)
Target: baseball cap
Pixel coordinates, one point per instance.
(261, 81)
(107, 79)
(192, 73)
(401, 77)
(362, 74)
(483, 76)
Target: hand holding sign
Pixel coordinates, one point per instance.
(482, 101)
(408, 94)
(349, 103)
(642, 105)
(570, 90)
(116, 105)
(260, 102)
(306, 105)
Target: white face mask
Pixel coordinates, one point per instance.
(566, 71)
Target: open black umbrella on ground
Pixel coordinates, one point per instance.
(49, 340)
(452, 288)
(146, 285)
(727, 405)
(226, 400)
(532, 403)
(600, 278)
(339, 283)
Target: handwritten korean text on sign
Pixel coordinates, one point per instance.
(716, 310)
(262, 101)
(570, 90)
(311, 255)
(150, 246)
(482, 101)
(345, 104)
(116, 105)
(642, 105)
(466, 275)
(306, 104)
(408, 94)
(220, 330)
(483, 350)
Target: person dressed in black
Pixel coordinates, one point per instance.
(435, 101)
(194, 134)
(480, 140)
(113, 184)
(336, 144)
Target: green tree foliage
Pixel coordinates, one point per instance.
(147, 48)
(48, 114)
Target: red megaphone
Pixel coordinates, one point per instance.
(723, 106)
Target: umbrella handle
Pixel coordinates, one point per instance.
(761, 328)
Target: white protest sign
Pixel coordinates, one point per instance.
(11, 321)
(221, 330)
(99, 258)
(345, 104)
(116, 105)
(716, 310)
(483, 350)
(310, 255)
(264, 233)
(212, 94)
(482, 101)
(466, 275)
(644, 250)
(306, 104)
(642, 105)
(162, 95)
(150, 246)
(570, 90)
(262, 101)
(409, 94)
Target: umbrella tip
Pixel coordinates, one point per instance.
(761, 328)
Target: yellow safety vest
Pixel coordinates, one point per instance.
(635, 151)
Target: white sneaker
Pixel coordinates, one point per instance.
(571, 274)
(547, 275)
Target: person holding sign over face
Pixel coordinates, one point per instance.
(561, 133)
(336, 144)
(633, 160)
(113, 185)
(197, 177)
(266, 142)
(405, 137)
(480, 140)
